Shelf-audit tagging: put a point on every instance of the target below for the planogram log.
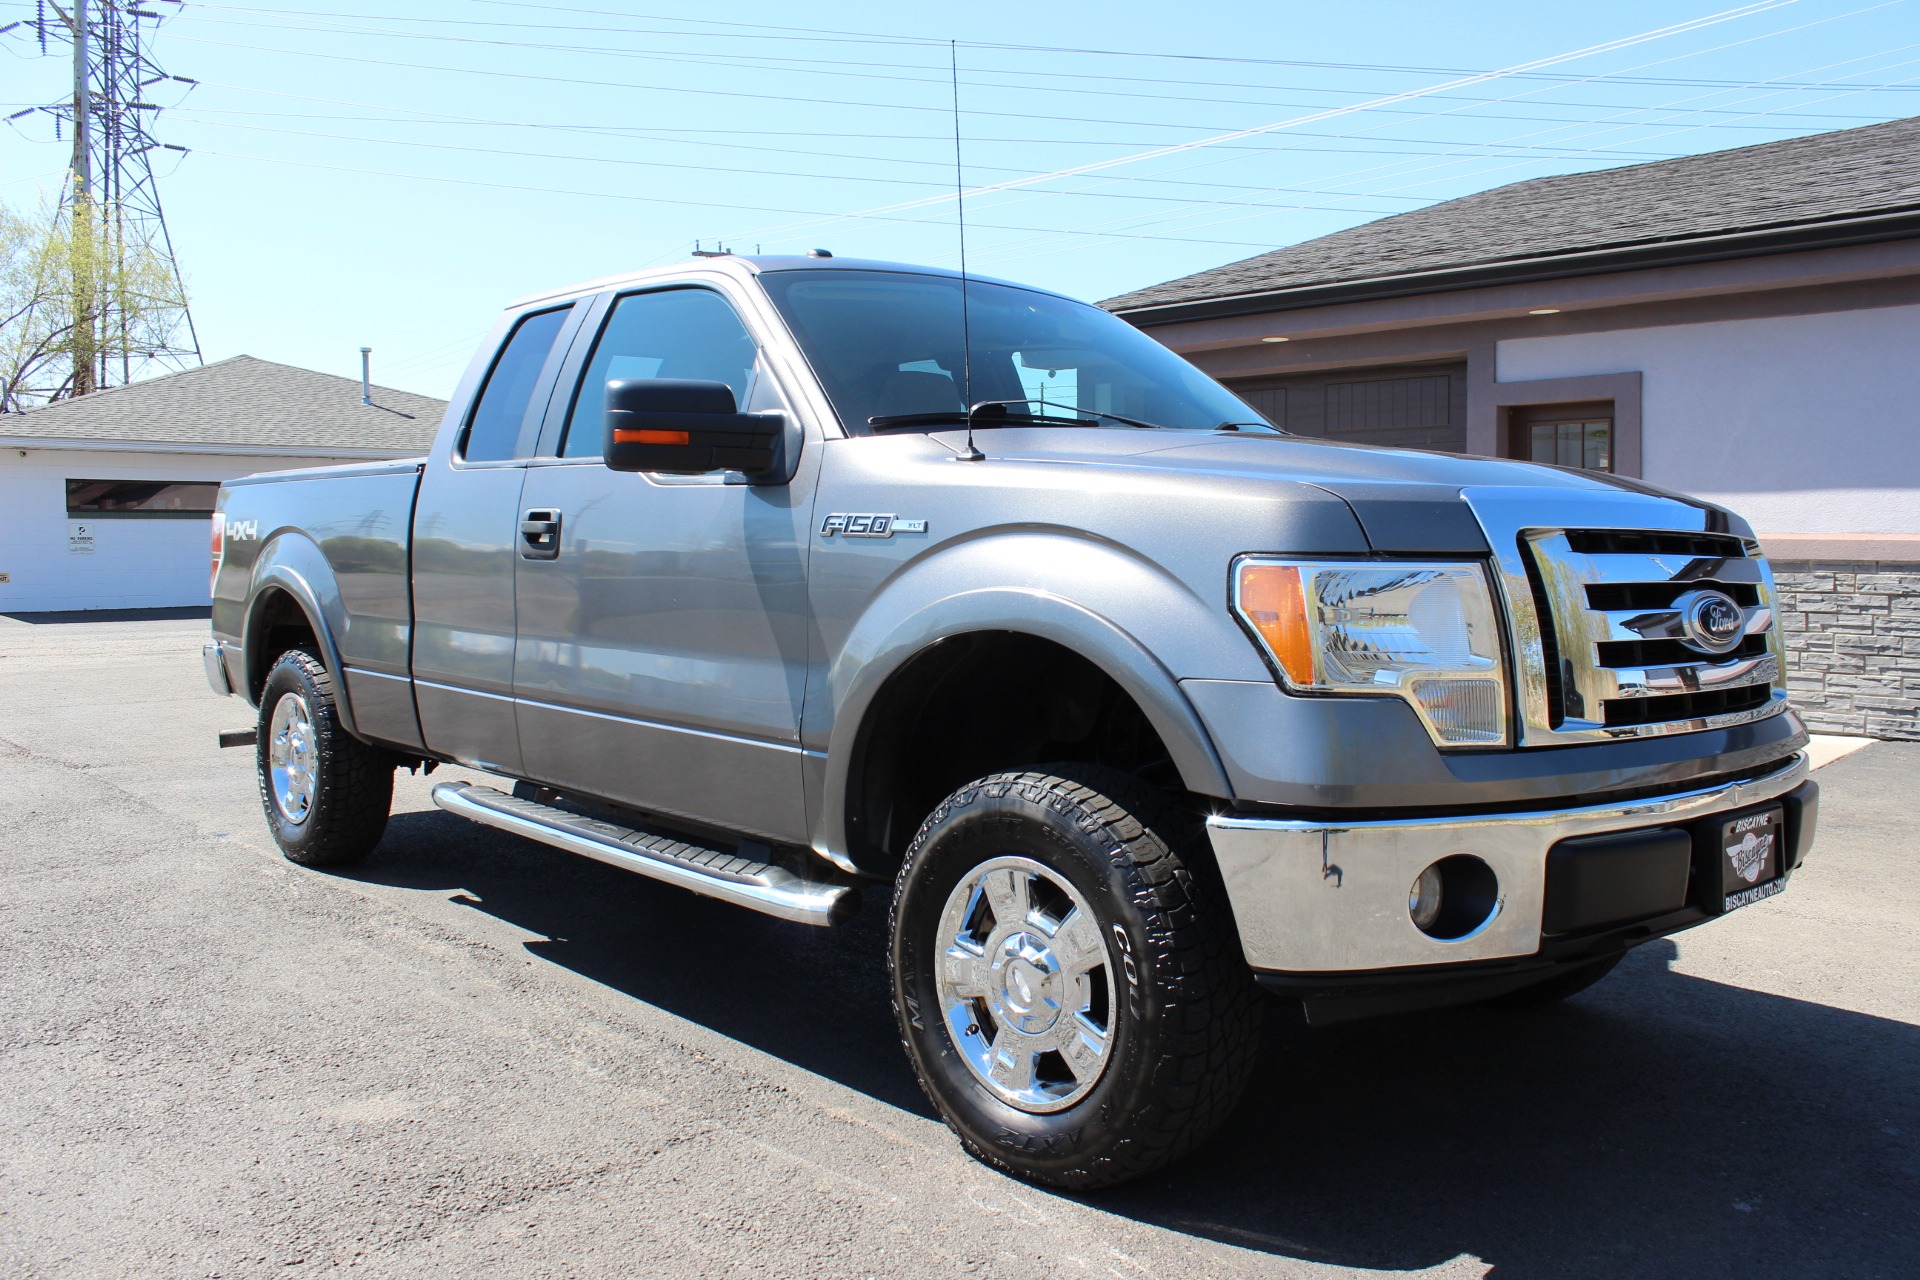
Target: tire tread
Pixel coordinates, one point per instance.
(1211, 1008)
(355, 793)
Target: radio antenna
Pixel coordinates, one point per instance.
(972, 454)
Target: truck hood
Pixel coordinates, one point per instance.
(1408, 501)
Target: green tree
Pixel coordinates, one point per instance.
(84, 302)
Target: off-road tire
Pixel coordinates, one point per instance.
(353, 782)
(1185, 1014)
(1560, 986)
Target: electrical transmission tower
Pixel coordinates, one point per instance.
(110, 200)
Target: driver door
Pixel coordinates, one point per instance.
(662, 625)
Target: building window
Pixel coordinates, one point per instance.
(1565, 435)
(149, 499)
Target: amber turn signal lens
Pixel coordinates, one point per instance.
(649, 437)
(1274, 602)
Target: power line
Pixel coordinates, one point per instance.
(198, 114)
(810, 101)
(1537, 133)
(702, 135)
(829, 35)
(1768, 85)
(838, 68)
(708, 168)
(1350, 109)
(1166, 220)
(697, 204)
(1029, 179)
(1137, 224)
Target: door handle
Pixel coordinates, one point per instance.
(540, 534)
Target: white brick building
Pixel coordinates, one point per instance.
(105, 499)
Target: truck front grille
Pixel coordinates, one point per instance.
(1685, 706)
(1618, 657)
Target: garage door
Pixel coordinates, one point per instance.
(1420, 406)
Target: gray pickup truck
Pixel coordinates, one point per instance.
(776, 578)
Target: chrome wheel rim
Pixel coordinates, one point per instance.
(1026, 984)
(293, 758)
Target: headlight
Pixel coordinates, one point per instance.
(1424, 632)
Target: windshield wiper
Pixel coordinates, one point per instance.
(1101, 414)
(980, 416)
(890, 421)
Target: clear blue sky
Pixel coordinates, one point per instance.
(390, 174)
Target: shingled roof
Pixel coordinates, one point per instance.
(1795, 183)
(241, 403)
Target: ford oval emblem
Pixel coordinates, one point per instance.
(1711, 621)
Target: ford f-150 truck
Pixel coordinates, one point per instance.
(780, 578)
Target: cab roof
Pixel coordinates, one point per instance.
(744, 266)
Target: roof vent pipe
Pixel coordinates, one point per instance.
(366, 375)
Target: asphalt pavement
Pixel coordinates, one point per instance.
(474, 1056)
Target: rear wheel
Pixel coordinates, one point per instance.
(326, 793)
(1067, 980)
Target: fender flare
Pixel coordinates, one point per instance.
(292, 564)
(1022, 610)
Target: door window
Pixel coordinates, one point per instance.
(495, 430)
(673, 333)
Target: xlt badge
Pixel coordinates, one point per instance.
(868, 525)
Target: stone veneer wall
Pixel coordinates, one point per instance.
(1853, 644)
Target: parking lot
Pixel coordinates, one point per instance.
(477, 1056)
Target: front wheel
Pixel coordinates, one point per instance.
(326, 793)
(1067, 980)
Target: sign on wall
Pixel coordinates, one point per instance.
(79, 538)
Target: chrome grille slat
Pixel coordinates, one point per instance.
(1662, 624)
(1624, 596)
(1652, 682)
(1686, 712)
(1619, 654)
(1618, 567)
(1618, 547)
(1665, 541)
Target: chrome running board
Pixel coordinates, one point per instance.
(714, 872)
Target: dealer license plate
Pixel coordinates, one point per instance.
(1750, 859)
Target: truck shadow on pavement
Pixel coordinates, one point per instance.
(1658, 1125)
(814, 997)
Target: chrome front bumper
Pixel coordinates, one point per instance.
(1315, 897)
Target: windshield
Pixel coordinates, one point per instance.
(887, 344)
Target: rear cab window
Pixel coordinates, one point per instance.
(498, 429)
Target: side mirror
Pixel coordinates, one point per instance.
(678, 424)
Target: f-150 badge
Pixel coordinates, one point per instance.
(868, 525)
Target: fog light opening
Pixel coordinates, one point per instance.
(1423, 900)
(1454, 897)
